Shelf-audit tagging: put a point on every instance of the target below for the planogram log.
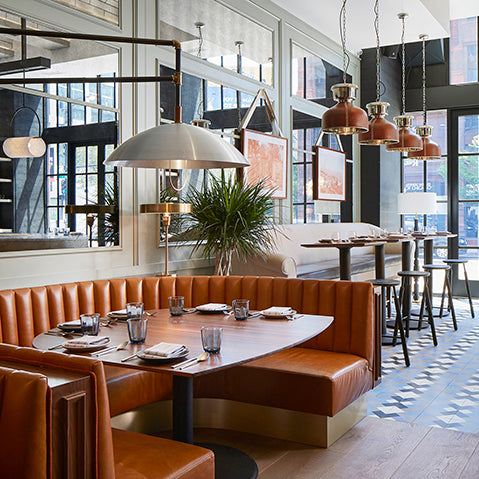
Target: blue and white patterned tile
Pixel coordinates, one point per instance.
(441, 388)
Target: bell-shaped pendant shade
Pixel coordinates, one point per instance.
(430, 150)
(381, 131)
(344, 118)
(408, 140)
(177, 146)
(24, 147)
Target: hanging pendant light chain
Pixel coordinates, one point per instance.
(342, 32)
(378, 65)
(424, 78)
(403, 19)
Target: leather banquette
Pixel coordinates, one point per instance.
(322, 376)
(27, 431)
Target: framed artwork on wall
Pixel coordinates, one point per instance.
(329, 174)
(268, 156)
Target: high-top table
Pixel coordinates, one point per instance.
(344, 248)
(243, 341)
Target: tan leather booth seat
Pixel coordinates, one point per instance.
(324, 374)
(26, 312)
(23, 424)
(25, 438)
(336, 367)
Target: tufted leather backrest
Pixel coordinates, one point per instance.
(103, 460)
(24, 425)
(30, 311)
(351, 304)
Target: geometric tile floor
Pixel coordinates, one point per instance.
(441, 387)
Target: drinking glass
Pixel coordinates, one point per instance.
(137, 329)
(335, 237)
(134, 310)
(241, 309)
(90, 324)
(176, 303)
(352, 235)
(211, 339)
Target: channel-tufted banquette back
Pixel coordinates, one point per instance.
(27, 312)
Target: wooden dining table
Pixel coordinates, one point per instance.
(242, 341)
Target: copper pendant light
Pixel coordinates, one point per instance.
(381, 131)
(430, 149)
(344, 118)
(408, 140)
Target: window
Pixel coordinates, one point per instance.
(108, 10)
(219, 34)
(308, 74)
(431, 175)
(463, 64)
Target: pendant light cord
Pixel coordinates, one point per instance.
(342, 33)
(424, 78)
(403, 20)
(378, 63)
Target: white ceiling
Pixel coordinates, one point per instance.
(425, 16)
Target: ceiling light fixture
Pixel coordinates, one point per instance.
(344, 118)
(408, 140)
(430, 149)
(169, 146)
(381, 131)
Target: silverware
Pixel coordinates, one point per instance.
(58, 346)
(202, 357)
(189, 310)
(183, 362)
(294, 316)
(130, 357)
(121, 346)
(61, 334)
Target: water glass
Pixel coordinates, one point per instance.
(137, 329)
(134, 310)
(352, 235)
(90, 324)
(211, 339)
(335, 237)
(176, 303)
(241, 309)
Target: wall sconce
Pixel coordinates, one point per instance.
(24, 146)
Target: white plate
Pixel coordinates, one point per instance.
(85, 349)
(70, 326)
(220, 309)
(154, 357)
(278, 315)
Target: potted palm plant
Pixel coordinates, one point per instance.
(230, 217)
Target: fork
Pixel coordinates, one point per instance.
(111, 349)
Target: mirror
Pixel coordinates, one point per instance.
(78, 123)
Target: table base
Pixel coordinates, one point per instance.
(413, 324)
(435, 312)
(231, 463)
(387, 339)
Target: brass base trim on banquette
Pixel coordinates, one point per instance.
(305, 428)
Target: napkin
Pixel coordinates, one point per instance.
(278, 310)
(212, 307)
(165, 349)
(88, 341)
(119, 312)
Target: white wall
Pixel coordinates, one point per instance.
(138, 254)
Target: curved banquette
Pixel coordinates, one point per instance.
(323, 376)
(37, 427)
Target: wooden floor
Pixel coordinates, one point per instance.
(374, 449)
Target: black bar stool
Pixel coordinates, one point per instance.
(406, 277)
(446, 288)
(388, 285)
(452, 262)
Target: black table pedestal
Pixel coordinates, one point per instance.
(230, 463)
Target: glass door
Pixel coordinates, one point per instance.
(464, 194)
